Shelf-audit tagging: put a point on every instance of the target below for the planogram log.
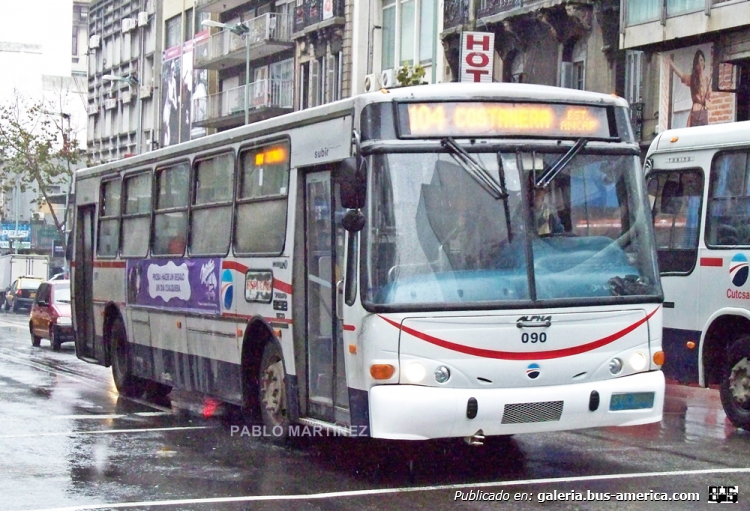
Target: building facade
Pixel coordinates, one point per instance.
(124, 55)
(689, 62)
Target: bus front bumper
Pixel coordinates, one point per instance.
(411, 412)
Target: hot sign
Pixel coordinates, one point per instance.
(477, 51)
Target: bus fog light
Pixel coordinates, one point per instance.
(615, 365)
(415, 372)
(638, 361)
(442, 374)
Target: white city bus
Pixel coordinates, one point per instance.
(699, 185)
(373, 266)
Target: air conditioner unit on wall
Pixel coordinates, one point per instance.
(128, 24)
(373, 83)
(110, 103)
(126, 96)
(150, 7)
(93, 108)
(388, 78)
(145, 91)
(142, 19)
(95, 40)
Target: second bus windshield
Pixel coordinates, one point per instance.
(435, 236)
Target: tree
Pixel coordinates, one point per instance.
(410, 75)
(37, 151)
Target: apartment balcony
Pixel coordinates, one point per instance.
(268, 35)
(266, 98)
(455, 13)
(646, 22)
(312, 15)
(217, 5)
(493, 11)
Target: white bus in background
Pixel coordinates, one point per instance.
(699, 185)
(373, 265)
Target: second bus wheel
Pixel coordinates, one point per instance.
(272, 392)
(127, 384)
(735, 383)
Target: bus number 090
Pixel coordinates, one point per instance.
(533, 337)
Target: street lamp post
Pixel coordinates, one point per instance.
(241, 30)
(132, 82)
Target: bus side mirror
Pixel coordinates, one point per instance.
(351, 176)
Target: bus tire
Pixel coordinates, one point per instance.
(127, 384)
(273, 393)
(735, 383)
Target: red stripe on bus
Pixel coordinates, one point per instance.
(234, 265)
(282, 286)
(349, 328)
(712, 261)
(510, 355)
(232, 315)
(109, 264)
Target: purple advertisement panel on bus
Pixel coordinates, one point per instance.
(183, 284)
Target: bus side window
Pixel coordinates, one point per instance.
(729, 202)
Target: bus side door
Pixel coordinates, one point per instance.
(676, 207)
(325, 237)
(83, 282)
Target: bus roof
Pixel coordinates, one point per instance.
(702, 137)
(497, 92)
(436, 92)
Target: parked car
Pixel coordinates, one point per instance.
(21, 293)
(50, 315)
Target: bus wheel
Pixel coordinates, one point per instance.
(735, 384)
(273, 398)
(126, 383)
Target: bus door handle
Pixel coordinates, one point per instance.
(340, 300)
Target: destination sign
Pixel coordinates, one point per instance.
(475, 119)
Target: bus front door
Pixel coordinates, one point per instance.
(328, 398)
(83, 280)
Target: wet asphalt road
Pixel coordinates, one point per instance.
(68, 441)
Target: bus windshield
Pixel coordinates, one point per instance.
(584, 226)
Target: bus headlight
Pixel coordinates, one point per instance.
(442, 374)
(615, 365)
(638, 361)
(415, 372)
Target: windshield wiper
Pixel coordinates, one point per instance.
(475, 170)
(552, 172)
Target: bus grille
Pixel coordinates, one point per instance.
(519, 413)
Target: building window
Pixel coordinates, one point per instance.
(633, 76)
(513, 68)
(641, 11)
(173, 31)
(573, 67)
(407, 34)
(189, 25)
(75, 42)
(677, 7)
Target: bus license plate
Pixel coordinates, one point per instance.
(631, 401)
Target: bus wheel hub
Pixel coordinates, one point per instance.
(273, 388)
(739, 381)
